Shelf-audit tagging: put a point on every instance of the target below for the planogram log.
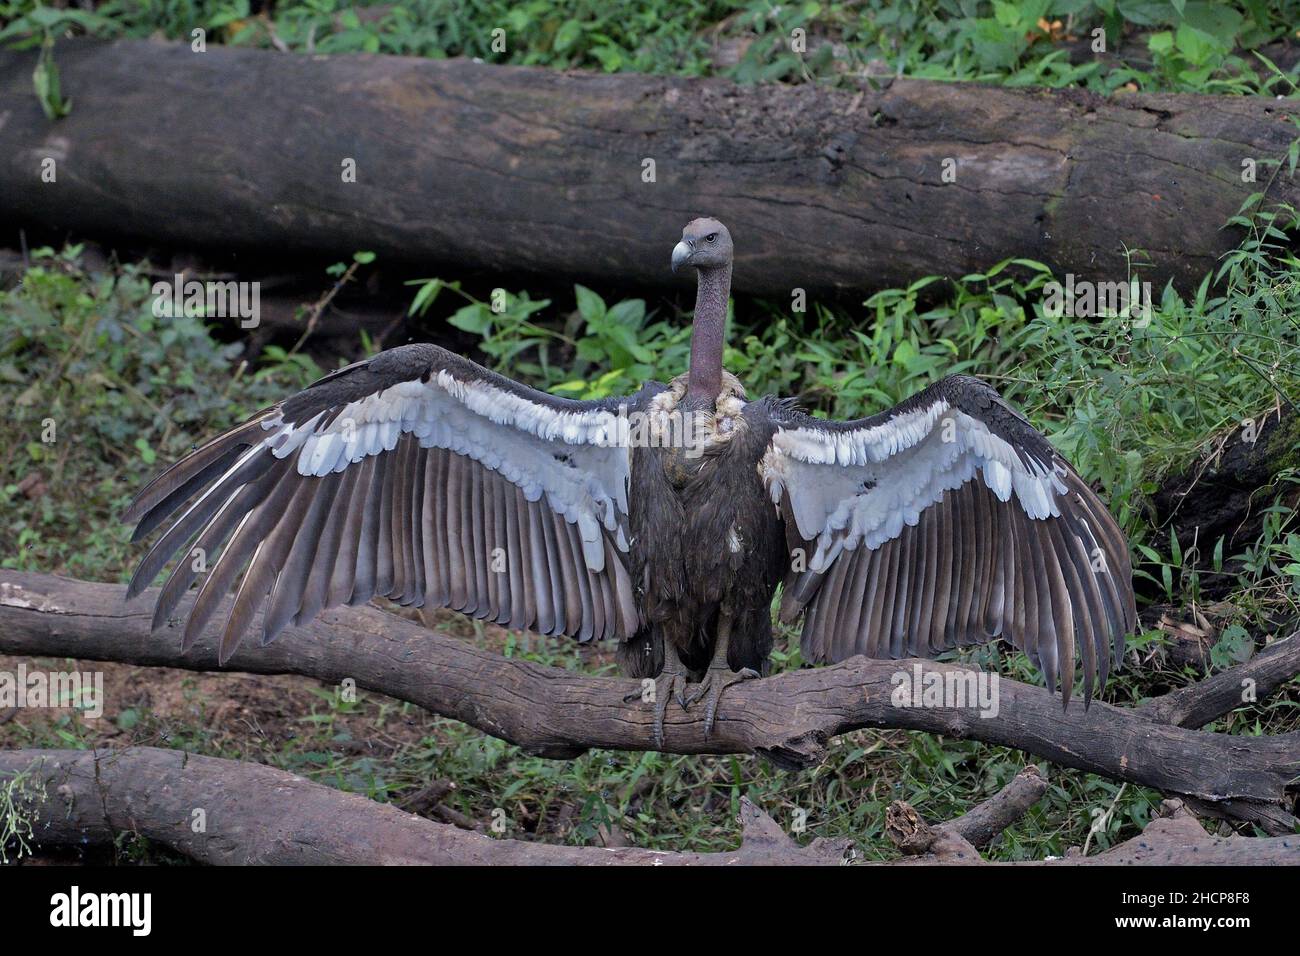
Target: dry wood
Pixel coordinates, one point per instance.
(1207, 700)
(1174, 838)
(520, 170)
(789, 718)
(229, 812)
(1225, 493)
(985, 821)
(908, 831)
(251, 813)
(958, 838)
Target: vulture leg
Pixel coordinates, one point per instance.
(670, 683)
(719, 676)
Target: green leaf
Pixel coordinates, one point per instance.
(1146, 13)
(475, 319)
(575, 387)
(610, 57)
(905, 354)
(1161, 43)
(425, 296)
(1196, 45)
(1215, 19)
(147, 454)
(590, 306)
(567, 35)
(629, 312)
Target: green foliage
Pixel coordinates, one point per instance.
(1164, 44)
(45, 80)
(18, 796)
(30, 23)
(618, 344)
(101, 391)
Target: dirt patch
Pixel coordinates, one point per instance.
(242, 713)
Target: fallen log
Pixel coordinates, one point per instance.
(228, 812)
(789, 718)
(979, 825)
(520, 170)
(1226, 490)
(1174, 838)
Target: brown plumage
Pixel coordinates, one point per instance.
(665, 520)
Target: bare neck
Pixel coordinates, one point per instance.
(704, 382)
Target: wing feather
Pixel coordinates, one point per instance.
(316, 593)
(293, 574)
(415, 475)
(944, 521)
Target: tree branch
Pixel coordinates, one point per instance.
(958, 838)
(985, 821)
(229, 812)
(789, 718)
(1198, 704)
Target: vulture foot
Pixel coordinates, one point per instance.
(670, 683)
(717, 679)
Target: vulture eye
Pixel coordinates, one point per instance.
(710, 237)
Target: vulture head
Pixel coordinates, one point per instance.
(705, 244)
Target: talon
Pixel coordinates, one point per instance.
(715, 681)
(670, 682)
(710, 713)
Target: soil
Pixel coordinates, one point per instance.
(243, 713)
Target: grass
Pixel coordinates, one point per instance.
(18, 794)
(1186, 45)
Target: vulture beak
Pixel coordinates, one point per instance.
(681, 252)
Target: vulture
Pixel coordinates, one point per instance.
(664, 520)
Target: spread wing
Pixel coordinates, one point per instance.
(944, 521)
(416, 475)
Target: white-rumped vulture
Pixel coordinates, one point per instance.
(664, 520)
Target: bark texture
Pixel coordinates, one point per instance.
(228, 812)
(252, 814)
(1225, 493)
(789, 718)
(521, 170)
